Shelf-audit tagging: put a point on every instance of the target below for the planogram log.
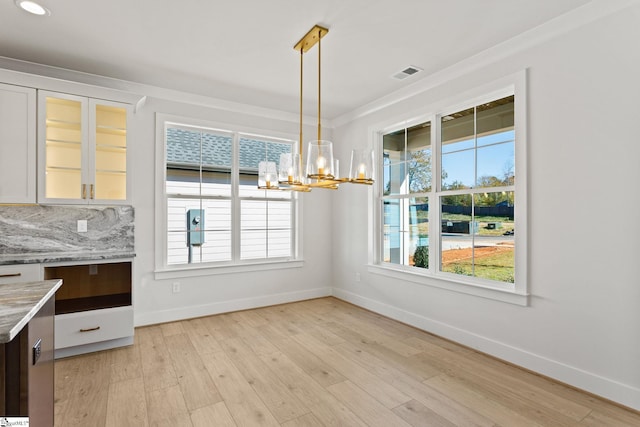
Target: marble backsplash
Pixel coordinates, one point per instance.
(36, 229)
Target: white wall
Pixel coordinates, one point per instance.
(583, 324)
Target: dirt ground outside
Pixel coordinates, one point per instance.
(456, 255)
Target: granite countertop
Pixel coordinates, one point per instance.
(19, 302)
(39, 258)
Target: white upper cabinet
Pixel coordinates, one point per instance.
(17, 144)
(82, 155)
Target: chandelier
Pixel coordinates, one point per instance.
(321, 170)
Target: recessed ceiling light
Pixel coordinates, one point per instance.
(32, 7)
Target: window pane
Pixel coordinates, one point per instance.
(496, 138)
(494, 117)
(456, 241)
(217, 231)
(279, 215)
(392, 218)
(265, 229)
(217, 214)
(392, 251)
(458, 170)
(253, 215)
(217, 247)
(419, 145)
(279, 243)
(252, 151)
(495, 165)
(216, 151)
(395, 179)
(495, 241)
(177, 212)
(458, 131)
(392, 241)
(419, 232)
(394, 146)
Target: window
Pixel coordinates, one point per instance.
(215, 214)
(447, 205)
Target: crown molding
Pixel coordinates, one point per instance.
(31, 74)
(563, 24)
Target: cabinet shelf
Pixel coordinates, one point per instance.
(111, 148)
(113, 172)
(62, 124)
(61, 168)
(111, 130)
(62, 143)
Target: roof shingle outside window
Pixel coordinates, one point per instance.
(183, 148)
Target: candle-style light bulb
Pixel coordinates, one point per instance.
(361, 171)
(322, 162)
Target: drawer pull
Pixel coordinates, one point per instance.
(90, 329)
(11, 275)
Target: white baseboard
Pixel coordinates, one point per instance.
(623, 394)
(190, 312)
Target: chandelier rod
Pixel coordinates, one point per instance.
(319, 86)
(300, 142)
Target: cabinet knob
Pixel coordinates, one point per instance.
(91, 191)
(84, 191)
(90, 329)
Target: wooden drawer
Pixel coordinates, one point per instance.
(87, 327)
(17, 273)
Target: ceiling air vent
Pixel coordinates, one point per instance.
(407, 72)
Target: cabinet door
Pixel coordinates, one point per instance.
(63, 148)
(108, 156)
(17, 144)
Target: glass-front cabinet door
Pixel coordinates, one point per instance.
(109, 126)
(65, 146)
(83, 150)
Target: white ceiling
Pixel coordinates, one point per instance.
(242, 50)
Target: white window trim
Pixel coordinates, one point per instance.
(164, 271)
(517, 293)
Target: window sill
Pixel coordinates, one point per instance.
(465, 287)
(177, 272)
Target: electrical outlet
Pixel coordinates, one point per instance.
(357, 277)
(82, 226)
(176, 287)
(93, 269)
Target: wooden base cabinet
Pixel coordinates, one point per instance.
(27, 372)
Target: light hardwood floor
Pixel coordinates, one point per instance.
(321, 362)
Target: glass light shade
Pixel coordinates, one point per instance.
(267, 175)
(320, 160)
(361, 168)
(289, 168)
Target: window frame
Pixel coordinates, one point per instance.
(163, 270)
(516, 293)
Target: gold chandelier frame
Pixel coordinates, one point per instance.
(321, 170)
